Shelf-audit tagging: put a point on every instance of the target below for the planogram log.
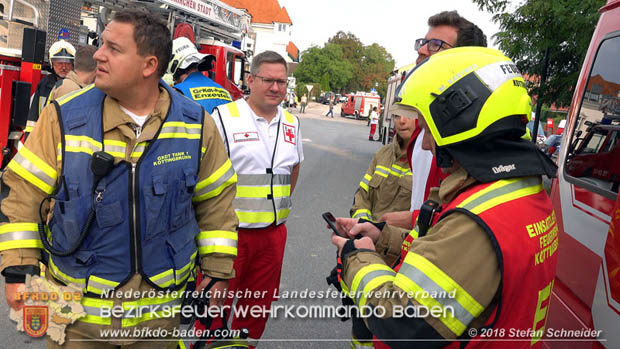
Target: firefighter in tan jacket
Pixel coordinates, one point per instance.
(386, 186)
(470, 262)
(164, 206)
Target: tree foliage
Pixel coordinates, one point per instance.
(325, 82)
(301, 90)
(349, 65)
(328, 60)
(376, 66)
(563, 26)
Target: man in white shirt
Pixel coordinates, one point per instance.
(264, 145)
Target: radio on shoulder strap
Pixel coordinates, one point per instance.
(425, 218)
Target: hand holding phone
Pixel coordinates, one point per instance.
(331, 221)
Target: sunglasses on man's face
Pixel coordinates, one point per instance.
(434, 45)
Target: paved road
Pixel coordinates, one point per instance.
(337, 153)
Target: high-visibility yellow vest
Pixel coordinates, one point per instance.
(264, 177)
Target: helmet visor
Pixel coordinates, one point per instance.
(62, 60)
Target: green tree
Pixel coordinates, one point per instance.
(325, 82)
(344, 64)
(563, 26)
(301, 90)
(376, 66)
(317, 62)
(353, 52)
(371, 64)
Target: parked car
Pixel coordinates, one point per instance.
(324, 99)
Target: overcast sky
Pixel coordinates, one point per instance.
(393, 24)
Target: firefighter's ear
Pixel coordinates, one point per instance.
(150, 66)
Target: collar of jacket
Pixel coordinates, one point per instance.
(113, 116)
(411, 143)
(451, 186)
(75, 78)
(398, 152)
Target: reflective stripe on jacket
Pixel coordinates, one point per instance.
(386, 185)
(524, 245)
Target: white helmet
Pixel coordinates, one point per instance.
(184, 54)
(62, 51)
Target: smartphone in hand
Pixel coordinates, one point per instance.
(331, 221)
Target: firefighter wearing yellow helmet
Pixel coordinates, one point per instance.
(61, 57)
(473, 262)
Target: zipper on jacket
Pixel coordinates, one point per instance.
(135, 214)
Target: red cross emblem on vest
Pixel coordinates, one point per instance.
(289, 133)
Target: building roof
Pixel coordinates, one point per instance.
(262, 11)
(283, 16)
(292, 51)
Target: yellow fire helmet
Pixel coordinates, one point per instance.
(476, 106)
(463, 92)
(61, 51)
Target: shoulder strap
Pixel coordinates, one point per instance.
(219, 115)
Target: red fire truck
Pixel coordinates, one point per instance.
(360, 105)
(586, 292)
(32, 26)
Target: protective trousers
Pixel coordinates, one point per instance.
(373, 128)
(257, 278)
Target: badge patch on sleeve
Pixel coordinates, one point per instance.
(245, 137)
(289, 133)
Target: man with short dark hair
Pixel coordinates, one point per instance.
(264, 145)
(128, 232)
(447, 29)
(83, 74)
